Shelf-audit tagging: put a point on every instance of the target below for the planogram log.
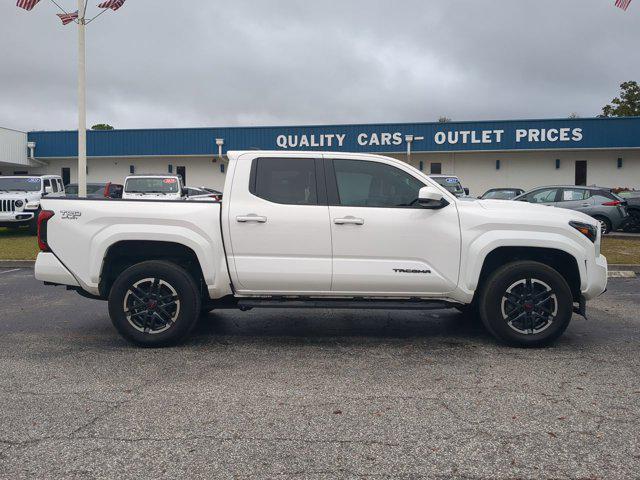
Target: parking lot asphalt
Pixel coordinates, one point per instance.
(314, 394)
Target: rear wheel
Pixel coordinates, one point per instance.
(527, 304)
(605, 224)
(154, 303)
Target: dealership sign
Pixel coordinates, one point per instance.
(445, 136)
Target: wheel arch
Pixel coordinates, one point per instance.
(560, 260)
(125, 253)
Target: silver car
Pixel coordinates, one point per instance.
(606, 207)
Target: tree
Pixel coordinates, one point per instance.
(102, 126)
(444, 119)
(627, 104)
(574, 115)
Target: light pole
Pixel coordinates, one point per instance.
(82, 103)
(79, 17)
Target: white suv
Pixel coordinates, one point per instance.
(20, 197)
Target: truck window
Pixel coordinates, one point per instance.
(291, 181)
(373, 184)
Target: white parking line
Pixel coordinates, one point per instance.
(9, 271)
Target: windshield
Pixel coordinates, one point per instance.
(151, 185)
(450, 183)
(26, 184)
(501, 194)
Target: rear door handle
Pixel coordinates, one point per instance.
(251, 218)
(586, 204)
(348, 221)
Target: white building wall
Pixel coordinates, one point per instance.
(13, 149)
(532, 169)
(200, 171)
(477, 170)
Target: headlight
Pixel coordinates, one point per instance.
(19, 203)
(32, 206)
(589, 231)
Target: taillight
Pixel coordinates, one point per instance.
(612, 203)
(107, 187)
(43, 218)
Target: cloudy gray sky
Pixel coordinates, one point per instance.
(161, 63)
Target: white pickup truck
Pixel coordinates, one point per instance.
(324, 230)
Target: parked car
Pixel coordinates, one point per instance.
(20, 197)
(202, 193)
(633, 207)
(333, 230)
(451, 183)
(96, 190)
(153, 187)
(597, 202)
(501, 193)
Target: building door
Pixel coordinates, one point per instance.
(581, 172)
(66, 176)
(182, 171)
(383, 243)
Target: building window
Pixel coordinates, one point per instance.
(436, 168)
(497, 164)
(170, 169)
(132, 169)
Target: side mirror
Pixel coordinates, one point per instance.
(48, 190)
(432, 198)
(466, 191)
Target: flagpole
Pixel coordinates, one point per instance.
(82, 104)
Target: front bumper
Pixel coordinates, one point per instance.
(596, 281)
(8, 219)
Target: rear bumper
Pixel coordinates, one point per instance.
(49, 269)
(596, 277)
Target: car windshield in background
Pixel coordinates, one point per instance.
(25, 184)
(501, 194)
(92, 189)
(450, 183)
(151, 185)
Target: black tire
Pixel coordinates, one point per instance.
(531, 321)
(605, 224)
(164, 298)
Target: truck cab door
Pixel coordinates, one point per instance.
(279, 238)
(384, 243)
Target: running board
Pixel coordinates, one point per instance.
(365, 304)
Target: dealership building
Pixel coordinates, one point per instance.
(486, 154)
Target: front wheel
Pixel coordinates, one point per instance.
(154, 303)
(526, 304)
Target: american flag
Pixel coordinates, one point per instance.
(27, 4)
(67, 17)
(623, 4)
(112, 4)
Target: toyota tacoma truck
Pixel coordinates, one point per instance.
(324, 230)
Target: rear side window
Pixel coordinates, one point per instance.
(290, 181)
(574, 194)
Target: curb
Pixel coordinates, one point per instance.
(17, 263)
(623, 235)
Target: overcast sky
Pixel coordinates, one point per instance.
(161, 63)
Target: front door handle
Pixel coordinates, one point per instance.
(252, 217)
(348, 221)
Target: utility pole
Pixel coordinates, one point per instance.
(82, 103)
(80, 17)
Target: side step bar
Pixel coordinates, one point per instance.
(249, 303)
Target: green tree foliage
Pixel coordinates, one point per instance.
(627, 104)
(102, 126)
(444, 119)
